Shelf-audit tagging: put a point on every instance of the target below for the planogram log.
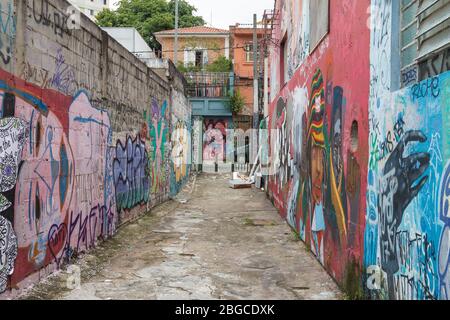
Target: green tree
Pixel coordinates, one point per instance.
(150, 16)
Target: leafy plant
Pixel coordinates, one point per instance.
(222, 64)
(189, 68)
(237, 102)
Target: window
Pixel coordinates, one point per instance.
(424, 39)
(105, 2)
(199, 58)
(408, 43)
(433, 37)
(195, 57)
(91, 12)
(248, 48)
(319, 12)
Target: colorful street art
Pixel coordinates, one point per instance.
(180, 155)
(318, 166)
(214, 141)
(131, 176)
(444, 248)
(63, 184)
(13, 135)
(406, 237)
(158, 124)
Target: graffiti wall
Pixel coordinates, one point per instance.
(181, 141)
(81, 152)
(317, 121)
(406, 241)
(358, 167)
(406, 238)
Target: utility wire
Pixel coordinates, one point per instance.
(212, 49)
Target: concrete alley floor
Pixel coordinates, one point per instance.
(211, 242)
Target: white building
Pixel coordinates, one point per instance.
(132, 41)
(91, 7)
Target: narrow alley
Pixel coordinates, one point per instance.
(210, 242)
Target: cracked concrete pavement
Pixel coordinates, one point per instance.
(210, 242)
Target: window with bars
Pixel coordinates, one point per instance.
(433, 37)
(408, 41)
(424, 39)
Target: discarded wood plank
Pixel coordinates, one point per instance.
(240, 184)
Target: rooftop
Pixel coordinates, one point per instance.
(194, 30)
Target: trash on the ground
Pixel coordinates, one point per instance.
(241, 181)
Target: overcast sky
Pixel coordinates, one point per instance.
(229, 12)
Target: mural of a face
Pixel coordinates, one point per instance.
(317, 173)
(316, 137)
(317, 144)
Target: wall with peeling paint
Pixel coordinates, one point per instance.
(85, 138)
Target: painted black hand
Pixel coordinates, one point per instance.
(401, 182)
(407, 171)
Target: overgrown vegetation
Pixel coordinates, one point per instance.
(353, 281)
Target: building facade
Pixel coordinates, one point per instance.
(133, 42)
(197, 46)
(91, 7)
(242, 57)
(209, 93)
(359, 153)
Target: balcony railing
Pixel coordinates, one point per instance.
(209, 84)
